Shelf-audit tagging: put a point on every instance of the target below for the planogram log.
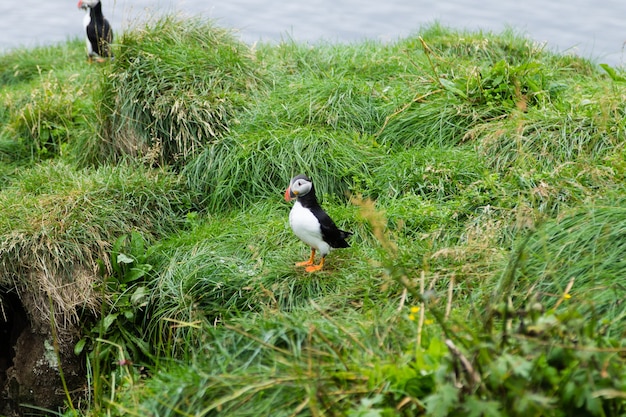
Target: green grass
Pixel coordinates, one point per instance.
(246, 167)
(47, 102)
(22, 66)
(482, 177)
(57, 222)
(190, 83)
(273, 359)
(579, 254)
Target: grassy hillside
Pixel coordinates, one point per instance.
(482, 176)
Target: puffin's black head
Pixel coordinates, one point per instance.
(300, 186)
(87, 4)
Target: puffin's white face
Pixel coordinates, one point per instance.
(301, 186)
(87, 4)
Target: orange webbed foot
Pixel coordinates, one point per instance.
(308, 262)
(315, 268)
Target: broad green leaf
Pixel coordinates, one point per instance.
(139, 296)
(612, 73)
(481, 408)
(441, 402)
(109, 320)
(122, 258)
(78, 348)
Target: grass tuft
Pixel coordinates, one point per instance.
(574, 263)
(191, 78)
(244, 168)
(57, 222)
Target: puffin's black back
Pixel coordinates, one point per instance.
(331, 234)
(99, 32)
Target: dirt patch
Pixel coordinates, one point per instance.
(30, 365)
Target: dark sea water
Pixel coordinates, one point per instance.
(590, 28)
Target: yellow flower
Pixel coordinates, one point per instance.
(415, 309)
(412, 317)
(567, 296)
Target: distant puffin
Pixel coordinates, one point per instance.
(311, 223)
(99, 32)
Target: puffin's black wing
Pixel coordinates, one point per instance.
(331, 234)
(107, 36)
(100, 35)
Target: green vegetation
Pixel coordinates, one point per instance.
(482, 176)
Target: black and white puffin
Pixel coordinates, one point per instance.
(311, 223)
(99, 32)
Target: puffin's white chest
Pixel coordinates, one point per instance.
(306, 226)
(86, 21)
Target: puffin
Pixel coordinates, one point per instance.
(99, 32)
(311, 223)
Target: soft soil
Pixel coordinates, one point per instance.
(30, 379)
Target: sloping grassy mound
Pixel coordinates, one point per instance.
(57, 223)
(549, 335)
(309, 362)
(343, 87)
(318, 115)
(25, 65)
(575, 264)
(173, 87)
(239, 263)
(46, 101)
(464, 82)
(552, 139)
(245, 167)
(438, 151)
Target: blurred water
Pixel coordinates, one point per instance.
(585, 27)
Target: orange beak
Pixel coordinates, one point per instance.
(288, 194)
